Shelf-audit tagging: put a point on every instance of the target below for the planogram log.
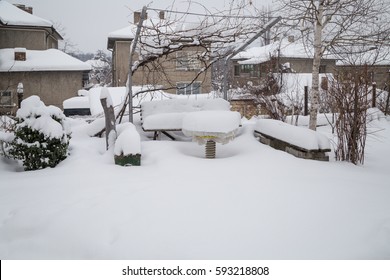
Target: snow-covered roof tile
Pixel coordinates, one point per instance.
(46, 60)
(12, 15)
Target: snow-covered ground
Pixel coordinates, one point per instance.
(251, 202)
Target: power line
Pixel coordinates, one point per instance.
(205, 15)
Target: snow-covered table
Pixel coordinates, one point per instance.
(167, 115)
(209, 127)
(298, 141)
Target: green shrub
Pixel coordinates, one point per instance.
(41, 138)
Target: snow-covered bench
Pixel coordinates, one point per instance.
(298, 141)
(167, 115)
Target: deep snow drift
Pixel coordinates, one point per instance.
(251, 202)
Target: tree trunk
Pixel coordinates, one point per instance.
(109, 116)
(315, 94)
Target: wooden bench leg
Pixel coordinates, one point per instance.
(155, 135)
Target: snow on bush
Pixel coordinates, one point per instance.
(41, 135)
(6, 134)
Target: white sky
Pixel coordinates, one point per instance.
(88, 22)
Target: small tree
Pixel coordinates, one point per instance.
(350, 96)
(101, 73)
(41, 135)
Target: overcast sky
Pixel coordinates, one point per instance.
(88, 22)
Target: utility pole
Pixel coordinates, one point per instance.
(241, 48)
(130, 75)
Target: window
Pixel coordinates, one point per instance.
(322, 69)
(250, 70)
(188, 88)
(187, 60)
(5, 98)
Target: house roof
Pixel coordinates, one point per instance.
(358, 56)
(46, 60)
(179, 30)
(283, 48)
(11, 15)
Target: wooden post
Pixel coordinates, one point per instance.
(306, 105)
(109, 116)
(373, 95)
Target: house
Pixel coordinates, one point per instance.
(176, 73)
(286, 55)
(29, 57)
(373, 65)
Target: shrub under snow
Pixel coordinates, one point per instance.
(41, 135)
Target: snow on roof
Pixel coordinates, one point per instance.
(283, 48)
(163, 26)
(356, 56)
(128, 32)
(46, 60)
(12, 15)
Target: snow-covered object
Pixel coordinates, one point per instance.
(219, 126)
(76, 102)
(128, 141)
(298, 136)
(36, 115)
(12, 15)
(40, 60)
(168, 114)
(117, 95)
(105, 94)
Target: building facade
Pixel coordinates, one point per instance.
(29, 57)
(177, 72)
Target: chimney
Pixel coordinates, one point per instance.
(291, 38)
(137, 17)
(24, 8)
(162, 15)
(20, 54)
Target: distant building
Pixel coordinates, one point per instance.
(287, 55)
(373, 65)
(29, 55)
(178, 69)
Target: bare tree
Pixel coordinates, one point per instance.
(101, 73)
(328, 26)
(350, 96)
